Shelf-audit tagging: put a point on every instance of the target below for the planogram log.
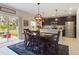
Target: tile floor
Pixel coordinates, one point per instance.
(71, 42)
(6, 51)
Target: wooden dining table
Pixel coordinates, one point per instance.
(44, 37)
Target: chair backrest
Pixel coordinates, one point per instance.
(35, 34)
(26, 33)
(55, 37)
(58, 35)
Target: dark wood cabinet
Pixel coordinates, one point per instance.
(61, 21)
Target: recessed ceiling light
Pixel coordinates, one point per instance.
(70, 8)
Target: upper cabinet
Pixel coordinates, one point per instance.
(61, 20)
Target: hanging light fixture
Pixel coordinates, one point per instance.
(56, 19)
(38, 17)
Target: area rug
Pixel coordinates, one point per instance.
(19, 48)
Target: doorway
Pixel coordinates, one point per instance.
(8, 28)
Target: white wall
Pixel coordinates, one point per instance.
(77, 24)
(22, 16)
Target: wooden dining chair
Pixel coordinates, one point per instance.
(36, 41)
(27, 37)
(54, 43)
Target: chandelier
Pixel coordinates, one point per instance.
(38, 17)
(56, 19)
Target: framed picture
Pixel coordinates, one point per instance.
(25, 22)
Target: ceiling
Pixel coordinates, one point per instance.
(47, 9)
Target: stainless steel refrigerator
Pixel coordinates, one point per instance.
(69, 28)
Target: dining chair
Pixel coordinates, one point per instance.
(27, 37)
(36, 41)
(53, 44)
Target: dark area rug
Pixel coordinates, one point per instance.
(19, 48)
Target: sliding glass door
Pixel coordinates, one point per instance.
(8, 28)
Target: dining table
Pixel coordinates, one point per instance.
(45, 39)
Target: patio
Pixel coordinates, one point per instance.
(3, 40)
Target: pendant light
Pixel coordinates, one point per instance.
(56, 19)
(38, 17)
